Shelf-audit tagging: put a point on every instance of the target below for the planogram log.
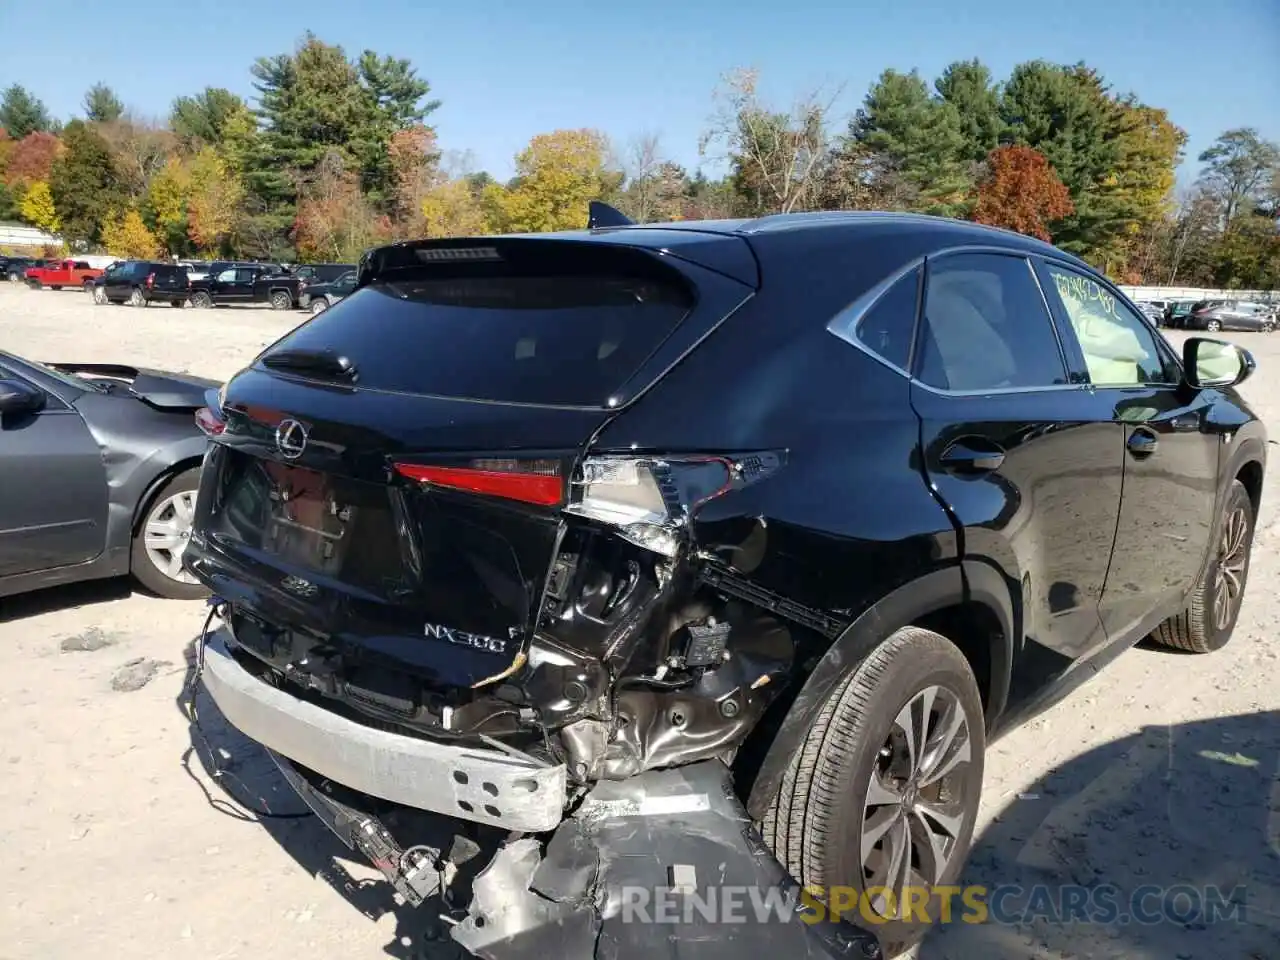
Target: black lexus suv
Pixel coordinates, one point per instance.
(615, 540)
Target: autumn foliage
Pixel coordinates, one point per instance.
(1021, 191)
(31, 158)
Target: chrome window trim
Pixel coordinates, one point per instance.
(844, 324)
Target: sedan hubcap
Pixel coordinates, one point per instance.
(1233, 556)
(917, 799)
(167, 533)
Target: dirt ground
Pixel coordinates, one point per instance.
(115, 842)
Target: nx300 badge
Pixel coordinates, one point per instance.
(463, 639)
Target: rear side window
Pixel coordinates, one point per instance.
(986, 326)
(535, 331)
(888, 327)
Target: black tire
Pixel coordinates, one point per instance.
(1213, 326)
(815, 823)
(87, 287)
(57, 287)
(34, 284)
(281, 300)
(156, 512)
(178, 303)
(137, 298)
(1205, 626)
(201, 299)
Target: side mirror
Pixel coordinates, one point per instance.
(1215, 363)
(19, 397)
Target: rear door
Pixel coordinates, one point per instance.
(1029, 462)
(46, 524)
(415, 509)
(1171, 450)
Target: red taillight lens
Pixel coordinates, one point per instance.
(151, 279)
(209, 422)
(529, 481)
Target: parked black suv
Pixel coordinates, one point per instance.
(322, 272)
(140, 283)
(14, 269)
(644, 523)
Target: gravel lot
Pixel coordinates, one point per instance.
(116, 842)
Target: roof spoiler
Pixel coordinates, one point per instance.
(600, 214)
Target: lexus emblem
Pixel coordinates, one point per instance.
(291, 439)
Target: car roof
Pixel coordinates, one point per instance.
(853, 222)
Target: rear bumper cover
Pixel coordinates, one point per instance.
(485, 786)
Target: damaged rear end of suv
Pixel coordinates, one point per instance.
(533, 537)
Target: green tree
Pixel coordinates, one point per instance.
(1067, 114)
(84, 183)
(918, 140)
(1240, 168)
(101, 105)
(397, 101)
(21, 113)
(205, 117)
(968, 86)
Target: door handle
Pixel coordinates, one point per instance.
(972, 456)
(1142, 444)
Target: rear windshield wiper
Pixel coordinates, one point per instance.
(321, 363)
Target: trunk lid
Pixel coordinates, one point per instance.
(401, 501)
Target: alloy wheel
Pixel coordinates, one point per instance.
(1233, 559)
(167, 533)
(917, 799)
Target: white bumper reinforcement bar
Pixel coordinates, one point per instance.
(486, 786)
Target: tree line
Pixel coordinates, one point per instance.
(336, 154)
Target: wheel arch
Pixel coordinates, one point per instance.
(155, 483)
(969, 603)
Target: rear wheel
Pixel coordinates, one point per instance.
(319, 306)
(136, 299)
(280, 300)
(1213, 326)
(201, 299)
(88, 286)
(878, 806)
(1210, 619)
(160, 543)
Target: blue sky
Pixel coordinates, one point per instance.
(507, 70)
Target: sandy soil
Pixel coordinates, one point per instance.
(115, 842)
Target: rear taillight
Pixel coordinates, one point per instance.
(209, 422)
(209, 417)
(529, 481)
(647, 501)
(151, 279)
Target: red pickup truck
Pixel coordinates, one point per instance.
(63, 273)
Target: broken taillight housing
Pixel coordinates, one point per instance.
(649, 500)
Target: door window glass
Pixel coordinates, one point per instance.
(1119, 348)
(227, 276)
(986, 327)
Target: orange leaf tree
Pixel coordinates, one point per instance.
(1021, 191)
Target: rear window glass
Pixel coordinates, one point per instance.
(567, 339)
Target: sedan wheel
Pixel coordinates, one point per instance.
(319, 306)
(1213, 326)
(160, 545)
